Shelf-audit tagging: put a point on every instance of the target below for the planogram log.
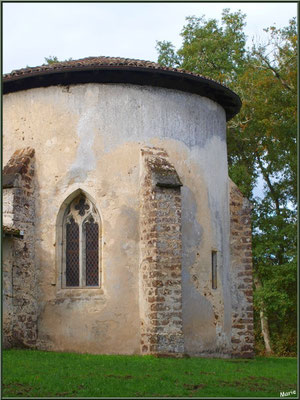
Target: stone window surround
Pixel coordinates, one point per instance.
(62, 289)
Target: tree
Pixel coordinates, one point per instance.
(54, 60)
(51, 60)
(261, 142)
(209, 49)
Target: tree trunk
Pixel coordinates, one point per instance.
(264, 322)
(265, 331)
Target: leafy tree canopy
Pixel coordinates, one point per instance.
(261, 142)
(54, 59)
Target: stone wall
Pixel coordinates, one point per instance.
(19, 211)
(161, 251)
(83, 146)
(160, 280)
(8, 312)
(241, 274)
(7, 206)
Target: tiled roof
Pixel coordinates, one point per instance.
(94, 62)
(9, 181)
(121, 70)
(10, 231)
(17, 167)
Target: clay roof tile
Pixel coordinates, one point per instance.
(134, 71)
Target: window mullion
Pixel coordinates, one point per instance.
(80, 243)
(63, 247)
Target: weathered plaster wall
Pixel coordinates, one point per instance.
(89, 137)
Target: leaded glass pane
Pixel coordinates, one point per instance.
(72, 253)
(92, 253)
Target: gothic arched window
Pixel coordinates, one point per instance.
(81, 244)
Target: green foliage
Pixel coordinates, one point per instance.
(51, 60)
(261, 143)
(167, 55)
(39, 374)
(209, 49)
(54, 60)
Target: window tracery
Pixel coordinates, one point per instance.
(81, 244)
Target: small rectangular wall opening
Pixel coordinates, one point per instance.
(214, 269)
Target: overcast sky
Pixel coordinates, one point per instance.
(33, 31)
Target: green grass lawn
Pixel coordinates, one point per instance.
(29, 373)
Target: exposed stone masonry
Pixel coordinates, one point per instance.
(19, 212)
(161, 248)
(160, 258)
(241, 274)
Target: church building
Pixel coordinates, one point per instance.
(122, 231)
